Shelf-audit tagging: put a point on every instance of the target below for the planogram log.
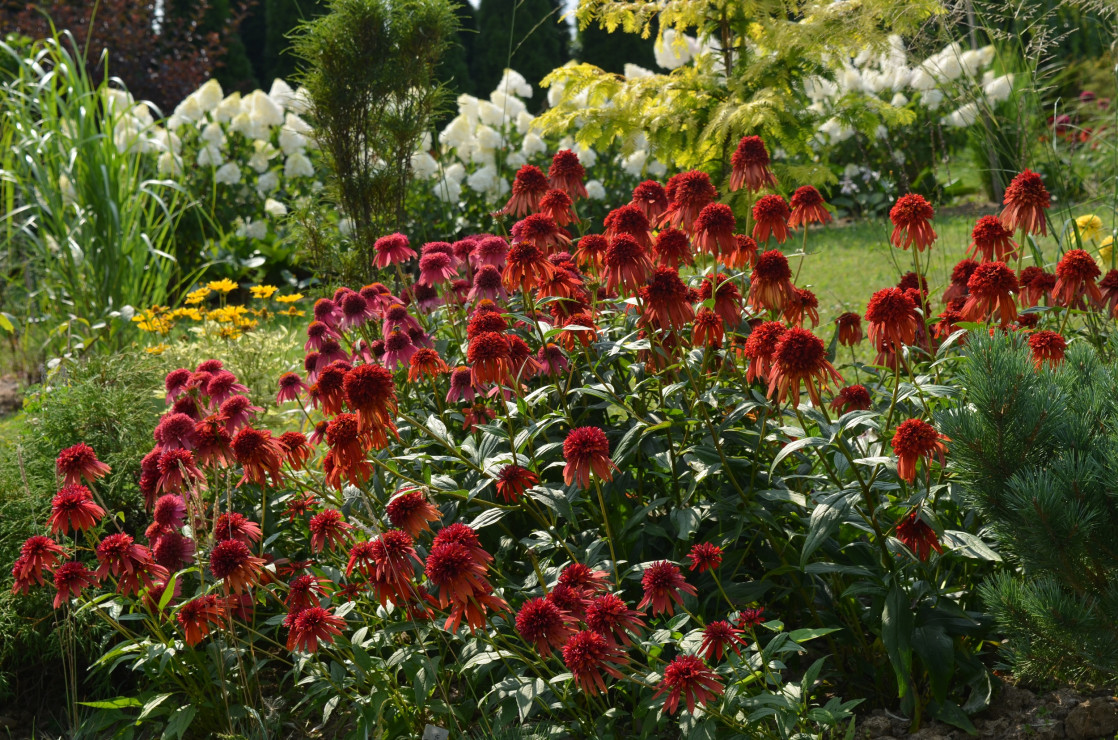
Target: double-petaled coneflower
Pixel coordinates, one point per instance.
(79, 462)
(1026, 203)
(800, 357)
(664, 587)
(992, 241)
(1047, 347)
(750, 163)
(770, 217)
(567, 174)
(627, 263)
(688, 194)
(586, 450)
(912, 222)
(713, 230)
(392, 250)
(915, 439)
(991, 289)
(650, 197)
(528, 187)
(771, 282)
(808, 207)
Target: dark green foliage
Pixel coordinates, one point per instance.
(454, 70)
(111, 403)
(282, 17)
(532, 31)
(612, 51)
(372, 84)
(1038, 453)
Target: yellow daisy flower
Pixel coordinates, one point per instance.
(1090, 227)
(289, 298)
(157, 349)
(291, 311)
(197, 296)
(225, 285)
(1106, 249)
(263, 291)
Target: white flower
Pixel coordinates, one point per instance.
(209, 95)
(555, 94)
(524, 123)
(274, 208)
(484, 180)
(963, 117)
(533, 145)
(999, 89)
(455, 172)
(972, 62)
(189, 109)
(242, 124)
(467, 107)
(262, 153)
(424, 166)
(513, 83)
(228, 108)
(657, 169)
(932, 98)
(635, 72)
(213, 134)
(515, 160)
(921, 79)
(448, 190)
(169, 164)
(483, 156)
(69, 192)
(587, 157)
(345, 226)
(300, 103)
(819, 88)
(634, 163)
(488, 139)
(988, 53)
(458, 132)
(263, 114)
(595, 190)
(297, 165)
(209, 156)
(673, 49)
(267, 182)
(901, 77)
(490, 114)
(281, 93)
(850, 80)
(253, 229)
(899, 101)
(167, 141)
(835, 130)
(228, 174)
(511, 106)
(290, 139)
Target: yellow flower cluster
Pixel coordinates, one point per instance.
(231, 320)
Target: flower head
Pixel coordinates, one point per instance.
(370, 392)
(849, 329)
(411, 512)
(714, 229)
(687, 677)
(751, 165)
(664, 584)
(586, 449)
(759, 348)
(917, 536)
(70, 578)
(808, 207)
(232, 562)
(627, 263)
(544, 625)
(991, 289)
(991, 240)
(73, 508)
(771, 282)
(852, 398)
(911, 216)
(328, 527)
(770, 216)
(513, 481)
(260, 455)
(666, 301)
(1047, 347)
(587, 654)
(800, 356)
(312, 626)
(78, 462)
(567, 174)
(489, 357)
(688, 193)
(199, 616)
(392, 250)
(913, 440)
(705, 556)
(892, 319)
(36, 554)
(672, 247)
(1026, 201)
(719, 637)
(1075, 279)
(528, 187)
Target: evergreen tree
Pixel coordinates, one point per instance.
(454, 71)
(534, 32)
(612, 51)
(1037, 450)
(281, 17)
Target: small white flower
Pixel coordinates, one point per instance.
(899, 101)
(657, 169)
(511, 106)
(533, 145)
(635, 72)
(209, 95)
(515, 160)
(256, 229)
(634, 163)
(169, 164)
(213, 134)
(484, 180)
(228, 108)
(274, 208)
(281, 93)
(524, 123)
(455, 172)
(297, 165)
(999, 88)
(595, 190)
(672, 49)
(448, 190)
(209, 156)
(513, 83)
(228, 174)
(262, 153)
(189, 109)
(267, 182)
(490, 114)
(932, 98)
(488, 139)
(963, 117)
(424, 166)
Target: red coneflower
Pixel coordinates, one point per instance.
(528, 187)
(296, 449)
(1036, 285)
(173, 551)
(426, 363)
(803, 304)
(688, 194)
(459, 575)
(852, 398)
(1026, 201)
(849, 329)
(77, 462)
(567, 173)
(587, 654)
(743, 255)
(992, 241)
(169, 511)
(1047, 347)
(629, 219)
(584, 579)
(751, 617)
(759, 348)
(232, 562)
(300, 505)
(487, 284)
(960, 275)
(70, 578)
(393, 554)
(290, 386)
(727, 298)
(317, 333)
(175, 431)
(312, 626)
(664, 584)
(771, 282)
(392, 249)
(36, 553)
(370, 392)
(991, 288)
(198, 617)
(237, 412)
(544, 625)
(672, 248)
(410, 511)
(915, 439)
(328, 527)
(751, 165)
(348, 444)
(260, 455)
(213, 443)
(221, 386)
(489, 358)
(591, 250)
(707, 330)
(556, 205)
(527, 267)
(808, 207)
(719, 637)
(892, 319)
(948, 322)
(571, 600)
(665, 300)
(689, 678)
(649, 196)
(612, 618)
(73, 508)
(1108, 288)
(513, 481)
(541, 231)
(1076, 273)
(705, 556)
(770, 216)
(586, 449)
(915, 534)
(911, 217)
(713, 229)
(626, 264)
(800, 356)
(232, 525)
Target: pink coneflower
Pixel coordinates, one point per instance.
(173, 551)
(462, 386)
(689, 678)
(78, 462)
(436, 268)
(328, 527)
(119, 554)
(237, 411)
(391, 250)
(355, 311)
(398, 349)
(212, 442)
(290, 386)
(490, 251)
(770, 216)
(326, 311)
(487, 284)
(552, 360)
(649, 196)
(915, 534)
(176, 383)
(586, 449)
(567, 174)
(169, 511)
(688, 193)
(664, 584)
(911, 217)
(73, 508)
(221, 386)
(175, 432)
(751, 165)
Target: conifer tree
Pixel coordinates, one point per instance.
(534, 32)
(1037, 450)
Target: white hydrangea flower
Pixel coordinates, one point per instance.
(657, 169)
(255, 229)
(290, 140)
(596, 190)
(587, 157)
(297, 165)
(168, 140)
(820, 88)
(228, 108)
(932, 98)
(300, 103)
(513, 83)
(488, 139)
(424, 166)
(483, 180)
(672, 49)
(213, 134)
(345, 226)
(228, 174)
(555, 94)
(533, 145)
(169, 164)
(242, 124)
(262, 153)
(921, 79)
(281, 93)
(635, 72)
(999, 88)
(458, 132)
(468, 107)
(850, 80)
(274, 208)
(963, 117)
(483, 157)
(263, 114)
(634, 163)
(899, 101)
(209, 156)
(524, 123)
(516, 160)
(209, 95)
(490, 114)
(455, 172)
(189, 109)
(267, 182)
(971, 62)
(902, 76)
(448, 190)
(511, 106)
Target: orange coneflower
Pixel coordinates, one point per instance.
(991, 288)
(992, 241)
(808, 207)
(612, 618)
(232, 562)
(803, 304)
(744, 253)
(915, 439)
(488, 355)
(370, 392)
(707, 330)
(665, 300)
(73, 508)
(771, 282)
(411, 511)
(629, 219)
(627, 263)
(348, 445)
(541, 230)
(557, 205)
(911, 217)
(70, 578)
(426, 363)
(849, 329)
(1076, 273)
(587, 654)
(1047, 347)
(960, 275)
(513, 481)
(526, 267)
(751, 165)
(650, 197)
(528, 187)
(770, 216)
(759, 347)
(891, 314)
(1026, 201)
(199, 616)
(800, 356)
(591, 250)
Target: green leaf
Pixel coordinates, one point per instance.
(896, 633)
(937, 653)
(179, 722)
(810, 633)
(825, 518)
(487, 517)
(950, 713)
(121, 702)
(168, 592)
(526, 695)
(969, 545)
(151, 705)
(791, 447)
(6, 323)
